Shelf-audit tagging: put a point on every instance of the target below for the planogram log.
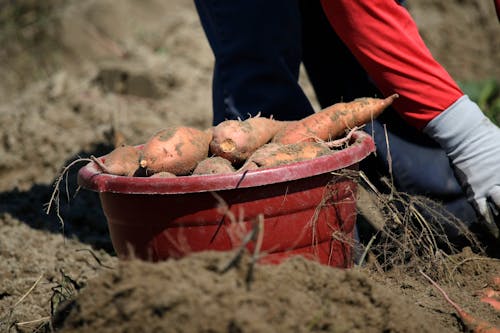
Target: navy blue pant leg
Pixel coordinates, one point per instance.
(257, 47)
(334, 73)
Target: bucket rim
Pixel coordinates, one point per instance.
(91, 178)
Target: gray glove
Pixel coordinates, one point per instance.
(472, 142)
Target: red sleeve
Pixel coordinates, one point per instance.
(384, 38)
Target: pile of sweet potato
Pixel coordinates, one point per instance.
(237, 146)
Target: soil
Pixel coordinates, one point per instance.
(77, 73)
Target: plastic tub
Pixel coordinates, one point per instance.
(306, 209)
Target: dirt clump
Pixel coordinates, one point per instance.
(192, 295)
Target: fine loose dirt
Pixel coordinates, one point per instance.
(79, 76)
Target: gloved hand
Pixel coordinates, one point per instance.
(472, 142)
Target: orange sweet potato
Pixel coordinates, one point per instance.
(236, 140)
(334, 120)
(163, 174)
(213, 165)
(122, 161)
(175, 149)
(275, 154)
(475, 324)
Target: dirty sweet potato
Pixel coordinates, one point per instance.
(274, 154)
(122, 161)
(163, 174)
(334, 120)
(213, 165)
(236, 140)
(175, 149)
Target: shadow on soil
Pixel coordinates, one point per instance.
(80, 210)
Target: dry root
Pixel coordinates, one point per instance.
(410, 232)
(54, 201)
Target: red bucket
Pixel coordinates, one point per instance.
(305, 208)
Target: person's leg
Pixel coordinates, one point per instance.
(334, 73)
(257, 58)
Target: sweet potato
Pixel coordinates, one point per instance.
(175, 149)
(213, 165)
(236, 140)
(334, 120)
(122, 161)
(275, 154)
(492, 296)
(475, 324)
(163, 174)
